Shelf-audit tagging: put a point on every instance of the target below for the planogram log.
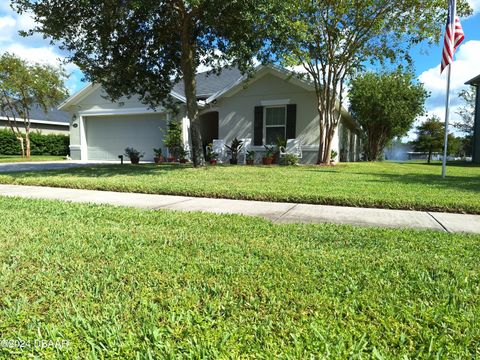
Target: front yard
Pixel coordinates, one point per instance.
(15, 158)
(389, 185)
(123, 283)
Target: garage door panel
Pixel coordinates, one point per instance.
(108, 136)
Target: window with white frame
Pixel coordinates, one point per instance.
(275, 123)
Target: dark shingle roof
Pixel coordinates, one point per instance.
(474, 81)
(209, 84)
(53, 114)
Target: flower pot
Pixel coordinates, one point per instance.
(134, 160)
(213, 162)
(158, 159)
(267, 160)
(171, 159)
(183, 161)
(233, 161)
(250, 162)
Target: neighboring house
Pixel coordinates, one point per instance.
(53, 122)
(271, 103)
(476, 128)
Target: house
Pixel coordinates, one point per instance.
(269, 104)
(476, 127)
(53, 122)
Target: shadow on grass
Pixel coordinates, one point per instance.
(96, 171)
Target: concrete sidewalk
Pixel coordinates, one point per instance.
(274, 211)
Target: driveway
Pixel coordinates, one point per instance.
(40, 165)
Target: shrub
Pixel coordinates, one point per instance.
(291, 159)
(41, 144)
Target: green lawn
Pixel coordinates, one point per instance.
(14, 158)
(391, 185)
(120, 283)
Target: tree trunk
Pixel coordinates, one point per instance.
(27, 142)
(429, 155)
(22, 147)
(188, 69)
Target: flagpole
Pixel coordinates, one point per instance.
(447, 116)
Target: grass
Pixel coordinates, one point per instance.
(124, 283)
(386, 185)
(15, 158)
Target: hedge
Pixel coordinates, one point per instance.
(40, 144)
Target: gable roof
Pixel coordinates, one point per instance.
(210, 83)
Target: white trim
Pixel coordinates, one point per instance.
(264, 138)
(260, 71)
(275, 102)
(46, 122)
(75, 147)
(79, 96)
(132, 111)
(90, 88)
(83, 139)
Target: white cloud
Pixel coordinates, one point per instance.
(34, 48)
(475, 4)
(465, 67)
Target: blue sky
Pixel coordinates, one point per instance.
(427, 58)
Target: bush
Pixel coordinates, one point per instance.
(49, 144)
(290, 159)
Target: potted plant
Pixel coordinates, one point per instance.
(333, 156)
(158, 156)
(234, 148)
(211, 156)
(250, 157)
(268, 158)
(133, 154)
(173, 140)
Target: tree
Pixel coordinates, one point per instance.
(430, 137)
(333, 39)
(385, 105)
(24, 85)
(467, 115)
(144, 47)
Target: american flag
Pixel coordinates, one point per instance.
(453, 36)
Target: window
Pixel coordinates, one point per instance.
(275, 124)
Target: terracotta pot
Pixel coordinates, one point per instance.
(170, 159)
(250, 162)
(213, 162)
(183, 161)
(134, 160)
(158, 159)
(267, 160)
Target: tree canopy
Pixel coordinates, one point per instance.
(24, 85)
(385, 105)
(430, 137)
(144, 47)
(332, 40)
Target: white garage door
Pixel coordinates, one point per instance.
(108, 136)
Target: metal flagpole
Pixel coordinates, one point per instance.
(447, 115)
(447, 105)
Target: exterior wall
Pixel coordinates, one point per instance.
(236, 113)
(350, 146)
(97, 105)
(42, 128)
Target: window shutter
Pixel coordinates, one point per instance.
(258, 126)
(291, 121)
